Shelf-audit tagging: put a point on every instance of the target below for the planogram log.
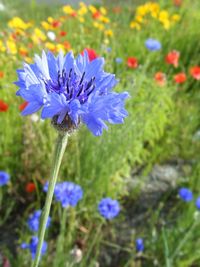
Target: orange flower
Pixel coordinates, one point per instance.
(96, 15)
(172, 58)
(23, 105)
(195, 72)
(160, 78)
(3, 106)
(56, 23)
(132, 62)
(66, 45)
(180, 77)
(1, 74)
(30, 187)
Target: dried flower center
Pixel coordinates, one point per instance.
(71, 85)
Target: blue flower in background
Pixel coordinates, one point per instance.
(34, 221)
(152, 44)
(32, 246)
(71, 90)
(46, 186)
(185, 194)
(118, 60)
(68, 193)
(4, 178)
(139, 244)
(198, 203)
(109, 208)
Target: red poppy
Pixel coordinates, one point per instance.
(56, 24)
(91, 53)
(63, 33)
(195, 72)
(96, 15)
(160, 78)
(30, 187)
(73, 14)
(180, 77)
(23, 105)
(3, 106)
(177, 2)
(132, 62)
(172, 58)
(1, 74)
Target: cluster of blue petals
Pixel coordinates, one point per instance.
(34, 221)
(4, 178)
(109, 208)
(32, 246)
(139, 244)
(67, 193)
(185, 194)
(64, 86)
(152, 44)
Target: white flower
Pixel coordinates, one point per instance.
(77, 254)
(2, 7)
(51, 35)
(34, 117)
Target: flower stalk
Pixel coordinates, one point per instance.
(61, 144)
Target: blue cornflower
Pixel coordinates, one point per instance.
(118, 60)
(4, 178)
(109, 208)
(68, 193)
(139, 244)
(198, 203)
(153, 44)
(34, 221)
(32, 246)
(71, 91)
(185, 194)
(45, 187)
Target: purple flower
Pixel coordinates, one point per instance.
(139, 244)
(4, 178)
(152, 44)
(185, 194)
(71, 91)
(198, 203)
(34, 221)
(118, 60)
(109, 208)
(32, 246)
(68, 193)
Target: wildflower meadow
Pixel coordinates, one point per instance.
(99, 133)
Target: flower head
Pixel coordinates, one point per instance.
(30, 187)
(152, 44)
(198, 203)
(34, 221)
(180, 77)
(139, 244)
(3, 106)
(4, 178)
(109, 208)
(68, 193)
(118, 60)
(71, 91)
(91, 53)
(160, 78)
(185, 194)
(195, 72)
(132, 62)
(172, 58)
(32, 246)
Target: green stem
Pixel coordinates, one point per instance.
(58, 155)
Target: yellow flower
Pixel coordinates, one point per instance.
(103, 10)
(81, 19)
(106, 41)
(68, 10)
(50, 19)
(38, 36)
(135, 25)
(92, 9)
(99, 26)
(83, 9)
(142, 10)
(109, 33)
(46, 25)
(50, 46)
(163, 15)
(104, 19)
(2, 47)
(139, 18)
(28, 60)
(18, 23)
(60, 47)
(175, 17)
(11, 47)
(166, 24)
